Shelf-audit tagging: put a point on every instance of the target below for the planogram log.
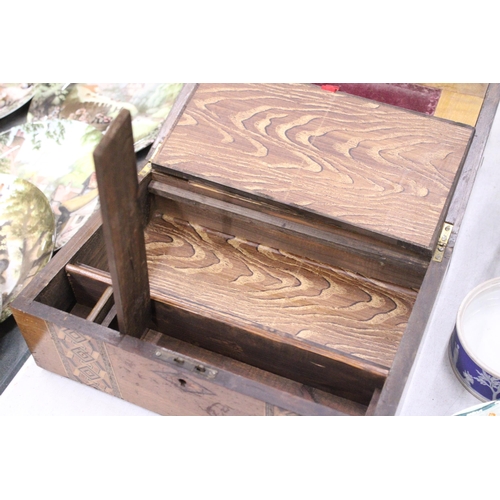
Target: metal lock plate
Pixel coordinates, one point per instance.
(186, 363)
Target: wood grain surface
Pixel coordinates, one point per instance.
(287, 231)
(290, 296)
(357, 162)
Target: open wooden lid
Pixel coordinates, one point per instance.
(369, 167)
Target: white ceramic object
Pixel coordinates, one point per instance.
(475, 343)
(489, 409)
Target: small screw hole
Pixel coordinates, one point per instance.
(179, 361)
(200, 368)
(182, 382)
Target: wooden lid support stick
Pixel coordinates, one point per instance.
(116, 171)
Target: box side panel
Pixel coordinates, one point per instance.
(69, 353)
(129, 369)
(335, 373)
(170, 391)
(280, 392)
(40, 342)
(126, 375)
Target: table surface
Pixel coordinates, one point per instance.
(432, 387)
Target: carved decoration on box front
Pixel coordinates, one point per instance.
(276, 411)
(85, 359)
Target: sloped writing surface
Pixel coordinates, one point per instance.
(362, 164)
(292, 298)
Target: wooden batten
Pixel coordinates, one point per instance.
(115, 168)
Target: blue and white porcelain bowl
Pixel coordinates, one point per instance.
(474, 347)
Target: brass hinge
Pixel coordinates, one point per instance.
(442, 242)
(145, 170)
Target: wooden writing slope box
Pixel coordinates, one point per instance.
(294, 244)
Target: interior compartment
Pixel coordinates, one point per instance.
(242, 282)
(302, 319)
